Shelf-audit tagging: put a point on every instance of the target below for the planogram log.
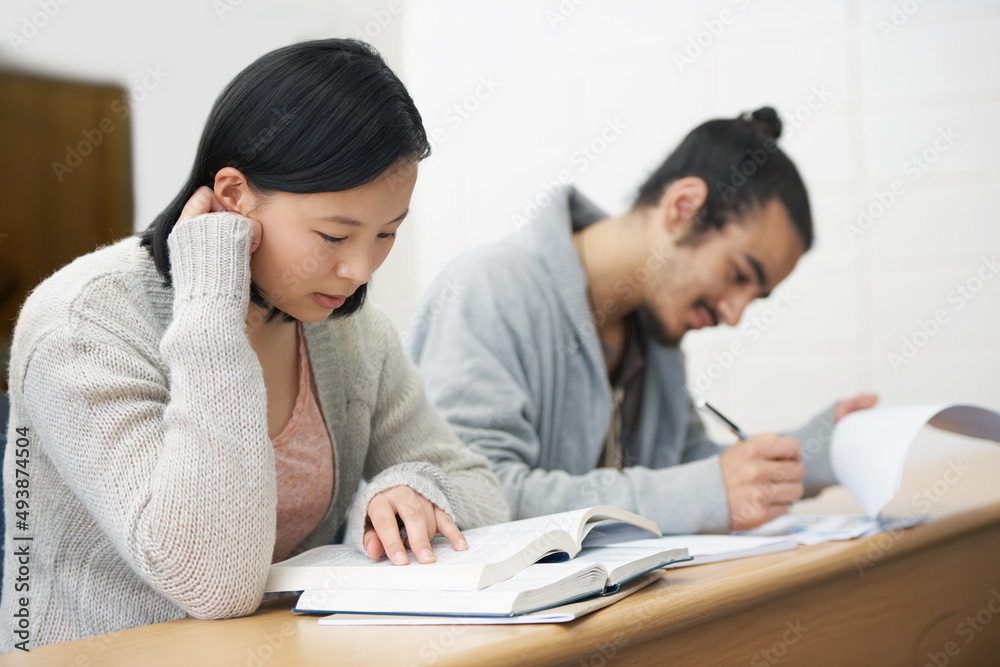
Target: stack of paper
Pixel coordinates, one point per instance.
(808, 529)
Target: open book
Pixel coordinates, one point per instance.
(495, 553)
(563, 613)
(594, 571)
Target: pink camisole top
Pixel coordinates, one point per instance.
(303, 459)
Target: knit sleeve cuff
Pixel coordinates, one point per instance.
(210, 257)
(421, 477)
(814, 439)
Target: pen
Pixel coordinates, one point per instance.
(705, 405)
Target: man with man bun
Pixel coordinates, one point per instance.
(560, 361)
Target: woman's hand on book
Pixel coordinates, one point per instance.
(421, 519)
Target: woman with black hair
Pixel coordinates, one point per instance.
(202, 401)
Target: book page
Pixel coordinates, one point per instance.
(486, 545)
(542, 574)
(565, 521)
(494, 554)
(330, 555)
(703, 548)
(614, 534)
(624, 563)
(604, 515)
(868, 447)
(613, 556)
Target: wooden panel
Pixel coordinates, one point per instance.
(65, 179)
(911, 610)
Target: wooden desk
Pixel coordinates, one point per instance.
(892, 599)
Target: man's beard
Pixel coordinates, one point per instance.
(655, 330)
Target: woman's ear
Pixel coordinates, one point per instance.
(232, 190)
(679, 205)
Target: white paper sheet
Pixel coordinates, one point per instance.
(702, 548)
(809, 529)
(869, 447)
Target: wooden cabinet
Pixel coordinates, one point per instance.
(65, 180)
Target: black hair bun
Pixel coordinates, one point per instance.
(764, 119)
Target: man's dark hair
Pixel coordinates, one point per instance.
(743, 167)
(318, 116)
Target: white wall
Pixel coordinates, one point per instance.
(534, 81)
(883, 83)
(196, 47)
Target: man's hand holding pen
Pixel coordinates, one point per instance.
(763, 474)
